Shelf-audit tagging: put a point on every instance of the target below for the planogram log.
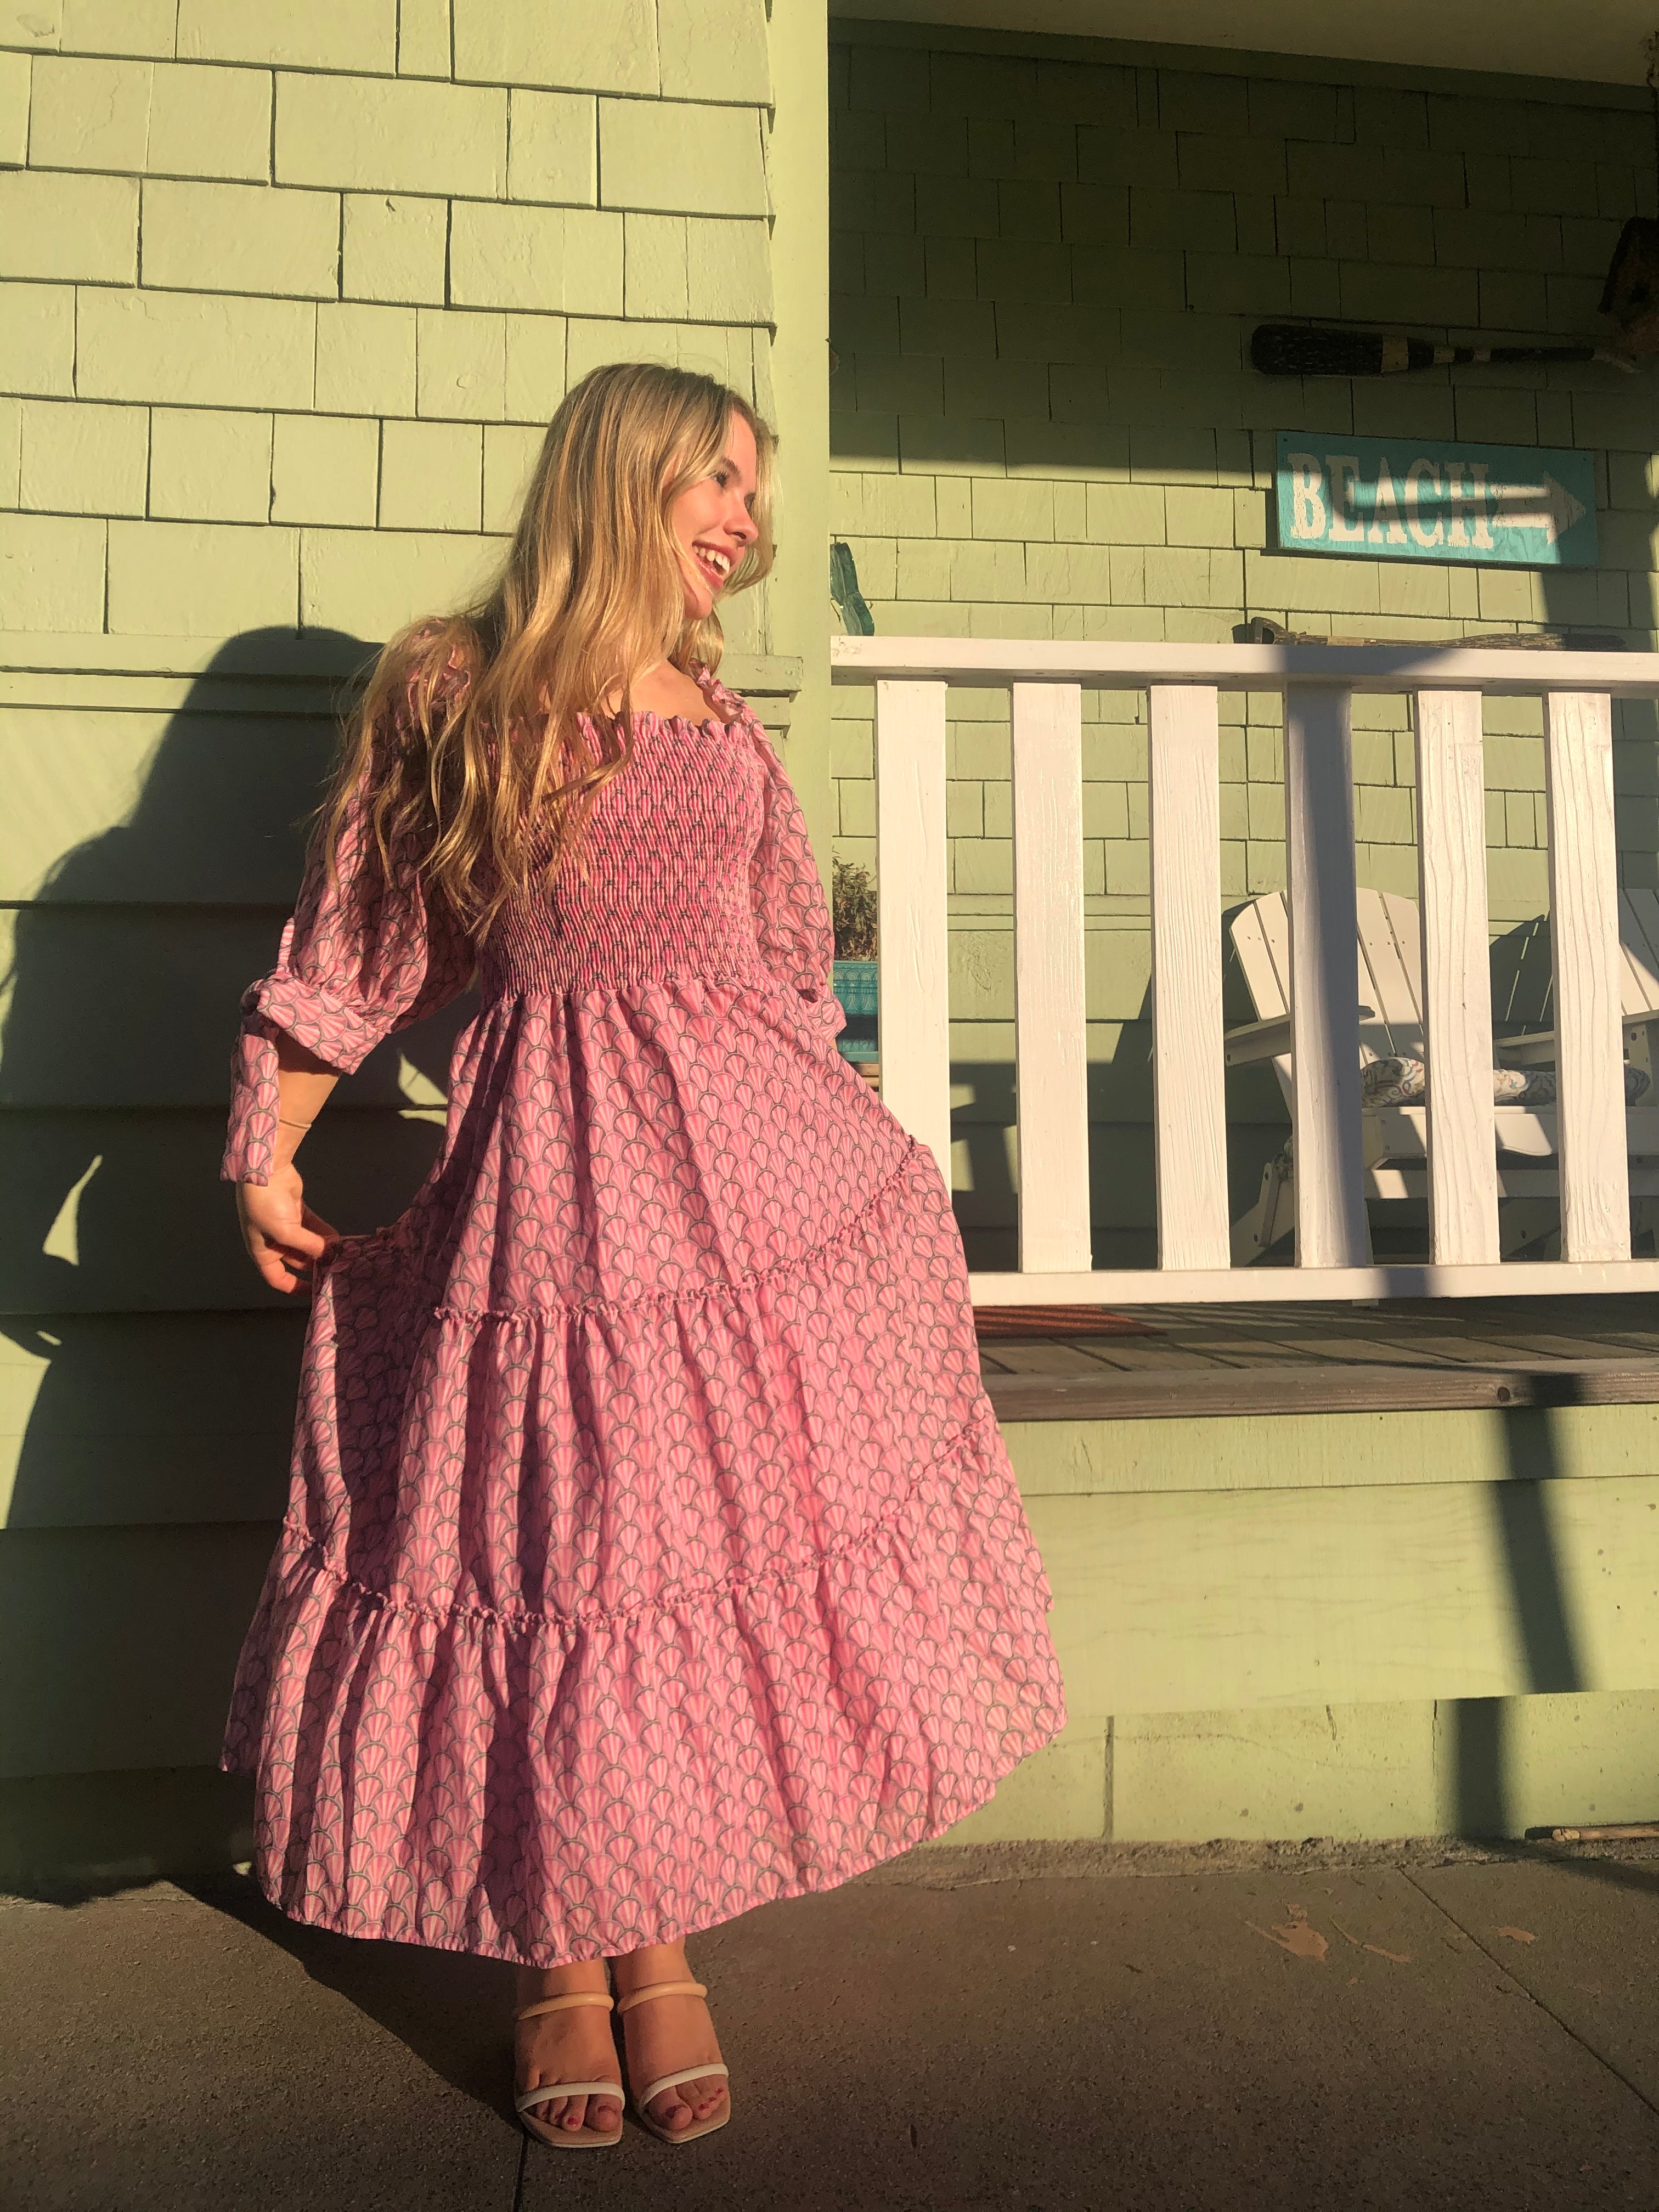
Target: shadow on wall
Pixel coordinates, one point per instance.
(155, 1373)
(1484, 1781)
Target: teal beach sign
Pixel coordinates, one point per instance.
(1399, 499)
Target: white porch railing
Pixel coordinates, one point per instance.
(910, 676)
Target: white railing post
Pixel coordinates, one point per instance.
(1331, 1227)
(1318, 1019)
(912, 919)
(1051, 1069)
(1451, 845)
(1589, 1066)
(1189, 1065)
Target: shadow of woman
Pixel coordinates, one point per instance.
(156, 1372)
(452, 2010)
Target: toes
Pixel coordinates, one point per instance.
(691, 2101)
(604, 2115)
(705, 2094)
(670, 2111)
(575, 2111)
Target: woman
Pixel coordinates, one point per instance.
(653, 1552)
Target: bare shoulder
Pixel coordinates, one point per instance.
(669, 691)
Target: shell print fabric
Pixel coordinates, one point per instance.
(652, 1550)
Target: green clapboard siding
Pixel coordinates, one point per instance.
(1491, 1767)
(117, 1645)
(1324, 1451)
(1295, 1598)
(122, 1419)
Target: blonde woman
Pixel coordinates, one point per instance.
(651, 1552)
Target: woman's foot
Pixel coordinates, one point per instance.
(574, 2045)
(667, 2035)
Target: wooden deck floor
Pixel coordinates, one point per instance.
(1400, 1355)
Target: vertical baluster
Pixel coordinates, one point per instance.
(1584, 938)
(1451, 831)
(911, 912)
(1331, 1229)
(1051, 1080)
(1188, 1062)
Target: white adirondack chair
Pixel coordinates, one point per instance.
(1388, 984)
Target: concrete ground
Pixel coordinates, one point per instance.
(1032, 2029)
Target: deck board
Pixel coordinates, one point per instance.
(1251, 1360)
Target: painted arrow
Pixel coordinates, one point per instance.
(1549, 507)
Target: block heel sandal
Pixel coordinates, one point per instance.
(672, 2080)
(582, 2138)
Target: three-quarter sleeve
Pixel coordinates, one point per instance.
(369, 951)
(792, 915)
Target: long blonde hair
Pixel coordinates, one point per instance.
(487, 782)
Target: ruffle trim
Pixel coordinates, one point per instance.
(732, 1290)
(539, 1804)
(298, 1546)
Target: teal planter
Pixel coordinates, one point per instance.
(855, 986)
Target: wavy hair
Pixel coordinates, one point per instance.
(486, 784)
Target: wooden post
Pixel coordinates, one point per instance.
(1331, 1229)
(1051, 1074)
(1451, 847)
(1188, 1067)
(1589, 1066)
(912, 918)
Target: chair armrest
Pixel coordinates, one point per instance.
(1539, 1047)
(1258, 1041)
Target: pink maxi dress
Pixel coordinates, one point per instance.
(652, 1550)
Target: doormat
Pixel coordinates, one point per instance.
(992, 1322)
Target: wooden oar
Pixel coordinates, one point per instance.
(1297, 349)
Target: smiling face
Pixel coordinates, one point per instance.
(712, 523)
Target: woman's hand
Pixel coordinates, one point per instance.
(282, 1235)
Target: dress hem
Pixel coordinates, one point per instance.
(338, 1923)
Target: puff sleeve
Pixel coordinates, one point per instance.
(792, 915)
(367, 953)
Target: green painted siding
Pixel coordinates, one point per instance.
(1046, 257)
(1345, 1624)
(287, 307)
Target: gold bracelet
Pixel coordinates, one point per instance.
(283, 1123)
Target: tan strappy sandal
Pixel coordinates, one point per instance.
(582, 2138)
(686, 2073)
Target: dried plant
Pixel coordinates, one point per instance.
(853, 904)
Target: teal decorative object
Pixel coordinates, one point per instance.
(844, 591)
(856, 985)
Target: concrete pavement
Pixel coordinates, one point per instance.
(1016, 2029)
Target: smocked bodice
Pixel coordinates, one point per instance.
(660, 886)
(694, 866)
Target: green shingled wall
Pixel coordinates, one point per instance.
(1046, 257)
(288, 293)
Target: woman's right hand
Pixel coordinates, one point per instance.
(284, 1237)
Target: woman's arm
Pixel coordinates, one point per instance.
(282, 1235)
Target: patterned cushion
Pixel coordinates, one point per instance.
(1403, 1082)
